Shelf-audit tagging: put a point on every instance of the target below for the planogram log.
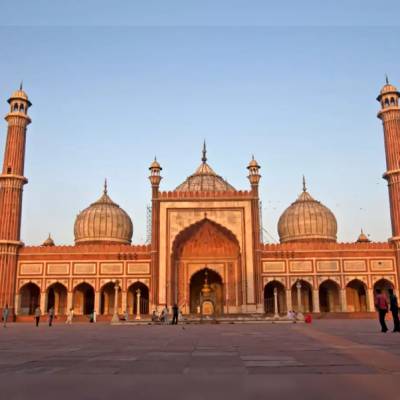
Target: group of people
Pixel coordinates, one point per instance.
(163, 317)
(383, 305)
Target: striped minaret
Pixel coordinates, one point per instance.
(12, 181)
(390, 116)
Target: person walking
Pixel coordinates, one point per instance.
(38, 313)
(394, 308)
(94, 316)
(5, 313)
(381, 305)
(175, 313)
(51, 316)
(70, 316)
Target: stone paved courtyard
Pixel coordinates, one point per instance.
(330, 359)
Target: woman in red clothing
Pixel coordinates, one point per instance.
(382, 306)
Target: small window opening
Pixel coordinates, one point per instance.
(21, 107)
(15, 107)
(8, 170)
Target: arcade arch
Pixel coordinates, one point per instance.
(356, 296)
(132, 298)
(83, 299)
(305, 297)
(29, 298)
(329, 296)
(269, 301)
(57, 298)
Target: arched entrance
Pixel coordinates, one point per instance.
(356, 296)
(201, 245)
(197, 282)
(57, 298)
(329, 298)
(83, 299)
(132, 298)
(29, 298)
(305, 297)
(384, 285)
(107, 299)
(269, 301)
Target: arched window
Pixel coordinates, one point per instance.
(15, 107)
(21, 107)
(386, 102)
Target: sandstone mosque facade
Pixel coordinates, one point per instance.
(205, 233)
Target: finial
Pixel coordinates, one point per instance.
(304, 184)
(204, 158)
(21, 85)
(105, 186)
(252, 157)
(387, 79)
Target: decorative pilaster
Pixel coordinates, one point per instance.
(316, 307)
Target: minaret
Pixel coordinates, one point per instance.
(254, 178)
(12, 181)
(155, 179)
(390, 116)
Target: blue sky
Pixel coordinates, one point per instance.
(106, 99)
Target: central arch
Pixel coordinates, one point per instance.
(202, 245)
(197, 282)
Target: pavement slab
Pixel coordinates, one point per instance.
(328, 359)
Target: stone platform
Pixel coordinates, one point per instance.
(328, 359)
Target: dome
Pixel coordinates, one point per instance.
(204, 179)
(155, 165)
(307, 220)
(48, 242)
(103, 221)
(387, 89)
(19, 95)
(253, 163)
(363, 238)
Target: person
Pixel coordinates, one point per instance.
(381, 305)
(164, 315)
(154, 316)
(126, 315)
(175, 313)
(394, 308)
(5, 315)
(91, 318)
(38, 313)
(70, 316)
(51, 316)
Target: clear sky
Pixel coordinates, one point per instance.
(112, 88)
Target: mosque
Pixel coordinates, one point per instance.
(206, 252)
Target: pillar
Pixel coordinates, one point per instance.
(124, 301)
(343, 300)
(97, 297)
(276, 311)
(289, 299)
(371, 300)
(43, 302)
(115, 317)
(299, 302)
(316, 308)
(69, 301)
(138, 303)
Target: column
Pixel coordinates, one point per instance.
(69, 301)
(138, 304)
(276, 311)
(316, 308)
(115, 317)
(299, 304)
(371, 300)
(124, 301)
(17, 303)
(343, 300)
(43, 302)
(97, 297)
(289, 299)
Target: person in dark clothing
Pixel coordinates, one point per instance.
(51, 316)
(381, 305)
(175, 313)
(394, 308)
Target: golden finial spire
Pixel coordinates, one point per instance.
(21, 85)
(105, 186)
(204, 158)
(304, 184)
(387, 79)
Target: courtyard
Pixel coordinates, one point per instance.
(329, 359)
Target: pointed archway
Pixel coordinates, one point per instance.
(206, 244)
